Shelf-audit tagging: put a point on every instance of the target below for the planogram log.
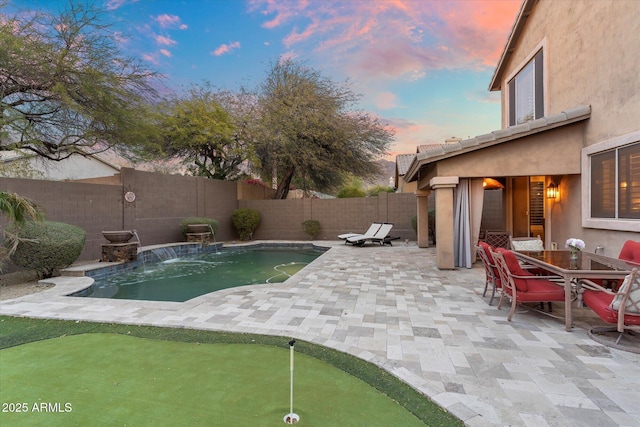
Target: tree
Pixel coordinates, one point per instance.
(306, 129)
(197, 129)
(65, 86)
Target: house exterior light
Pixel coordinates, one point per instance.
(552, 191)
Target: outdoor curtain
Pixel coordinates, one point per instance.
(468, 200)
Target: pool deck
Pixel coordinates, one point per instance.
(431, 328)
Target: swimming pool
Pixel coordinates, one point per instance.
(183, 278)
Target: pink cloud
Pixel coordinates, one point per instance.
(168, 21)
(396, 38)
(151, 57)
(386, 100)
(226, 48)
(115, 4)
(165, 52)
(165, 41)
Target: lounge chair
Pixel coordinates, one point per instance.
(371, 231)
(381, 236)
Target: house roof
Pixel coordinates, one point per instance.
(516, 30)
(426, 147)
(444, 151)
(403, 161)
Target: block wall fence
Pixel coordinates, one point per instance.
(161, 201)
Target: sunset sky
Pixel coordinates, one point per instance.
(421, 66)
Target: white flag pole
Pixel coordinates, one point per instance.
(291, 418)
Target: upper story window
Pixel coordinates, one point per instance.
(526, 92)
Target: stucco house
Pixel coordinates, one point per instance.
(24, 164)
(568, 152)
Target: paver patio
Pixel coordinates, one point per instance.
(431, 328)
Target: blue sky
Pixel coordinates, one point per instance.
(421, 66)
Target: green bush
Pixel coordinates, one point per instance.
(246, 221)
(311, 227)
(197, 220)
(414, 223)
(350, 192)
(374, 191)
(47, 246)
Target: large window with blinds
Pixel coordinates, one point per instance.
(526, 92)
(615, 183)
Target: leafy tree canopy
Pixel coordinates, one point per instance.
(198, 130)
(305, 128)
(65, 86)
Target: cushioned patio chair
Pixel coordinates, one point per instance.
(630, 252)
(522, 286)
(526, 243)
(492, 276)
(497, 239)
(381, 236)
(371, 231)
(621, 308)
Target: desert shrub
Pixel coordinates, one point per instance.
(375, 190)
(350, 192)
(414, 223)
(311, 227)
(47, 246)
(198, 220)
(246, 221)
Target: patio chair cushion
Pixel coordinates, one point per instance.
(540, 290)
(600, 303)
(487, 250)
(632, 306)
(630, 251)
(516, 269)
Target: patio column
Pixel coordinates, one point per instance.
(422, 197)
(443, 186)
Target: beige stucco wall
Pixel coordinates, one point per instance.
(554, 152)
(592, 55)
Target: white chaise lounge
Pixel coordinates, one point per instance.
(381, 236)
(370, 232)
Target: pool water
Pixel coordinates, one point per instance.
(184, 278)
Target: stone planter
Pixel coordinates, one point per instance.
(122, 236)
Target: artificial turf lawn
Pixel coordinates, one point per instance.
(113, 379)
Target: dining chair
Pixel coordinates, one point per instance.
(526, 243)
(522, 286)
(621, 308)
(492, 277)
(497, 239)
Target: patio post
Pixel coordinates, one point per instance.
(444, 185)
(422, 197)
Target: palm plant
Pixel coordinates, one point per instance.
(18, 210)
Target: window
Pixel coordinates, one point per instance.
(526, 92)
(615, 183)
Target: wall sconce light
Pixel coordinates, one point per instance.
(552, 191)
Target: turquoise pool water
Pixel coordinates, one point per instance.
(184, 278)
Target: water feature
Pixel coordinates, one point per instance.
(213, 236)
(183, 278)
(135, 233)
(164, 254)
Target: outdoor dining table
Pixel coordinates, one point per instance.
(586, 266)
